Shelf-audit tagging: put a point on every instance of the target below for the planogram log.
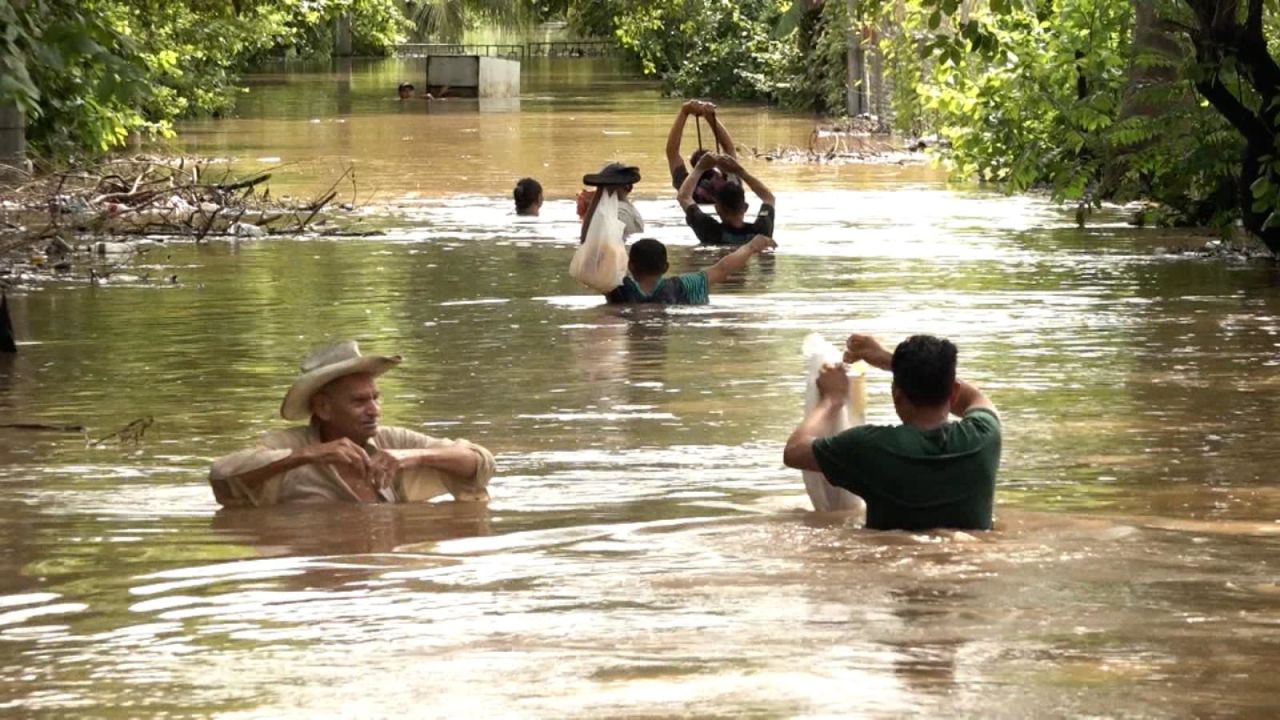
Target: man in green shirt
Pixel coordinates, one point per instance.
(928, 472)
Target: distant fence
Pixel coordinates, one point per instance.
(569, 48)
(420, 50)
(560, 48)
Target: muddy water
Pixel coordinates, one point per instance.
(645, 553)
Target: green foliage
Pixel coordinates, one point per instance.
(792, 52)
(729, 49)
(77, 79)
(448, 20)
(1004, 88)
(87, 73)
(710, 48)
(1058, 96)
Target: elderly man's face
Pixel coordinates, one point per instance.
(348, 407)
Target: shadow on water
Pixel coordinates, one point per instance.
(348, 530)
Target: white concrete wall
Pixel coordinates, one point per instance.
(499, 78)
(486, 77)
(456, 71)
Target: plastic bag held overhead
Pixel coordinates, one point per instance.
(600, 262)
(817, 352)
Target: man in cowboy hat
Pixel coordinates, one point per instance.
(343, 455)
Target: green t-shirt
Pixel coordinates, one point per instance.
(917, 480)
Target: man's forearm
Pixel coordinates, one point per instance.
(968, 398)
(456, 460)
(758, 188)
(730, 264)
(799, 451)
(256, 477)
(674, 137)
(722, 136)
(685, 196)
(882, 360)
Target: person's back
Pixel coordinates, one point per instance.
(928, 472)
(913, 479)
(647, 281)
(731, 206)
(686, 289)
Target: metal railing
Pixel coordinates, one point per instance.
(556, 49)
(419, 50)
(572, 48)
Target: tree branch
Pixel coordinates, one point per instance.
(1253, 24)
(1240, 117)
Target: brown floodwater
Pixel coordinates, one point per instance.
(645, 553)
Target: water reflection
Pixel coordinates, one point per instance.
(347, 530)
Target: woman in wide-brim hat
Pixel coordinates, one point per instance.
(616, 178)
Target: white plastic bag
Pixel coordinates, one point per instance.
(600, 262)
(817, 352)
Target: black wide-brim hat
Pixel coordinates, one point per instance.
(613, 174)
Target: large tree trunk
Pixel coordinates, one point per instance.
(1150, 37)
(1219, 39)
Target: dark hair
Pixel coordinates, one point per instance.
(648, 257)
(924, 368)
(696, 156)
(527, 194)
(731, 197)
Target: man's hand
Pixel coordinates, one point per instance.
(700, 108)
(384, 467)
(760, 243)
(729, 165)
(340, 452)
(706, 162)
(833, 383)
(868, 349)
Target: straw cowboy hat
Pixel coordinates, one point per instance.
(324, 365)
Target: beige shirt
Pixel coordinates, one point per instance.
(321, 483)
(632, 223)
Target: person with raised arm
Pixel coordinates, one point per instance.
(647, 281)
(731, 204)
(705, 192)
(928, 472)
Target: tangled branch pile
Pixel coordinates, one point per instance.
(149, 197)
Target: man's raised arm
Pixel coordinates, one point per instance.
(722, 135)
(736, 260)
(731, 165)
(676, 134)
(833, 390)
(966, 397)
(685, 196)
